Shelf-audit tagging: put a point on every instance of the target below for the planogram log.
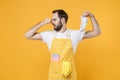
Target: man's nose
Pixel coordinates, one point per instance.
(52, 22)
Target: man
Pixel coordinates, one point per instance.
(62, 43)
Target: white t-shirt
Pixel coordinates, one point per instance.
(75, 35)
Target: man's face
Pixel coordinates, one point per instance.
(56, 22)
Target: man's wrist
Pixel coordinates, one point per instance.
(91, 15)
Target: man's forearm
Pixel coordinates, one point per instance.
(95, 24)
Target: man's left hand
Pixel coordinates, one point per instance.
(87, 14)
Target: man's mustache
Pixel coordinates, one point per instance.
(53, 24)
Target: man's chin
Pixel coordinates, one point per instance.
(56, 29)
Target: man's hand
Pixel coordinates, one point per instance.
(87, 14)
(47, 21)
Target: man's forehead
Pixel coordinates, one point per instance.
(55, 15)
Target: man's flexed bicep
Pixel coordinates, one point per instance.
(36, 36)
(96, 29)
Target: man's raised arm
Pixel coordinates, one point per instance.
(32, 34)
(96, 29)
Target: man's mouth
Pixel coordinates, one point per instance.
(55, 26)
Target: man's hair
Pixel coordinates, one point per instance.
(61, 14)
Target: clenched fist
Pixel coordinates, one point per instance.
(47, 21)
(87, 14)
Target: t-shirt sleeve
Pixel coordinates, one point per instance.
(44, 35)
(80, 34)
(76, 37)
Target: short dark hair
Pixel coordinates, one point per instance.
(61, 14)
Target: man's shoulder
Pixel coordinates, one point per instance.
(47, 31)
(73, 30)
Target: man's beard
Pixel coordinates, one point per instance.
(58, 27)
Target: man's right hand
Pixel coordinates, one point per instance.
(47, 21)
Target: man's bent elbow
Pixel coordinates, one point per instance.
(97, 33)
(27, 36)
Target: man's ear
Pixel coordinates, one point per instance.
(63, 20)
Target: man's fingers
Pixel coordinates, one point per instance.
(86, 13)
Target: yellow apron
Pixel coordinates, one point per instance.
(61, 50)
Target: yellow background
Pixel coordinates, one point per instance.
(23, 59)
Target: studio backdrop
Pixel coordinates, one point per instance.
(23, 59)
